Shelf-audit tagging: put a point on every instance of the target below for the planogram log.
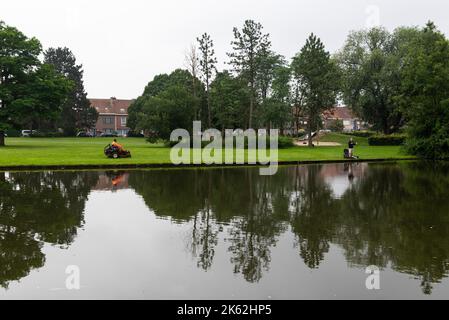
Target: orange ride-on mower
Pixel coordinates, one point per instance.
(115, 153)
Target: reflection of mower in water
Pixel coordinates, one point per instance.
(119, 179)
(115, 152)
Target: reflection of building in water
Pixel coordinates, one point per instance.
(112, 181)
(340, 177)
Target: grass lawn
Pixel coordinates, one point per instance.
(89, 151)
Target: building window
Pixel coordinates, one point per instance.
(109, 131)
(108, 120)
(123, 121)
(347, 122)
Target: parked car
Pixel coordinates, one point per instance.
(28, 133)
(132, 134)
(84, 134)
(108, 135)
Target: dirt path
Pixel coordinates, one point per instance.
(317, 143)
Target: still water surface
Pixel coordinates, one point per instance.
(307, 232)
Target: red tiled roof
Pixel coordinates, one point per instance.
(111, 106)
(340, 113)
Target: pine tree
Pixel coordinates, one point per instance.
(77, 113)
(248, 46)
(207, 65)
(318, 78)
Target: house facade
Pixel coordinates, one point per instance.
(344, 114)
(112, 116)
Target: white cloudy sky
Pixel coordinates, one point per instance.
(124, 44)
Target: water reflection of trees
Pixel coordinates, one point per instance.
(399, 216)
(390, 216)
(37, 208)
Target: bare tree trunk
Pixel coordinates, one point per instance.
(310, 137)
(251, 107)
(191, 61)
(2, 138)
(309, 126)
(209, 118)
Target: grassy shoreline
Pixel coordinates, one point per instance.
(28, 153)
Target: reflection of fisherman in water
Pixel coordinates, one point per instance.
(348, 168)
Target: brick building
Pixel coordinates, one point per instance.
(113, 114)
(350, 121)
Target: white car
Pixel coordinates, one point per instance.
(27, 133)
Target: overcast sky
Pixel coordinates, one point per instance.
(124, 44)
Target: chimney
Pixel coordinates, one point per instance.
(112, 101)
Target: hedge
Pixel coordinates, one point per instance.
(283, 143)
(361, 134)
(387, 140)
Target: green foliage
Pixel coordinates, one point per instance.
(46, 134)
(229, 100)
(425, 94)
(285, 142)
(169, 110)
(336, 126)
(362, 134)
(207, 63)
(165, 90)
(31, 92)
(13, 133)
(275, 113)
(77, 113)
(387, 140)
(317, 78)
(251, 54)
(370, 63)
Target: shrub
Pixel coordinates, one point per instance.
(361, 134)
(434, 147)
(387, 140)
(283, 143)
(47, 135)
(336, 126)
(13, 133)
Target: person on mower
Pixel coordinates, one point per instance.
(117, 145)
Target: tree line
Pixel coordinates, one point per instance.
(365, 221)
(395, 81)
(35, 94)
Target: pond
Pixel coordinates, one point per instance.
(309, 232)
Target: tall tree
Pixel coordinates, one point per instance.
(44, 94)
(167, 103)
(425, 94)
(229, 100)
(248, 46)
(268, 64)
(207, 64)
(30, 92)
(192, 63)
(276, 111)
(370, 62)
(318, 75)
(77, 113)
(18, 58)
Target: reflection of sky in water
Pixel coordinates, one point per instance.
(339, 185)
(299, 234)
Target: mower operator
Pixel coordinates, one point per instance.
(117, 145)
